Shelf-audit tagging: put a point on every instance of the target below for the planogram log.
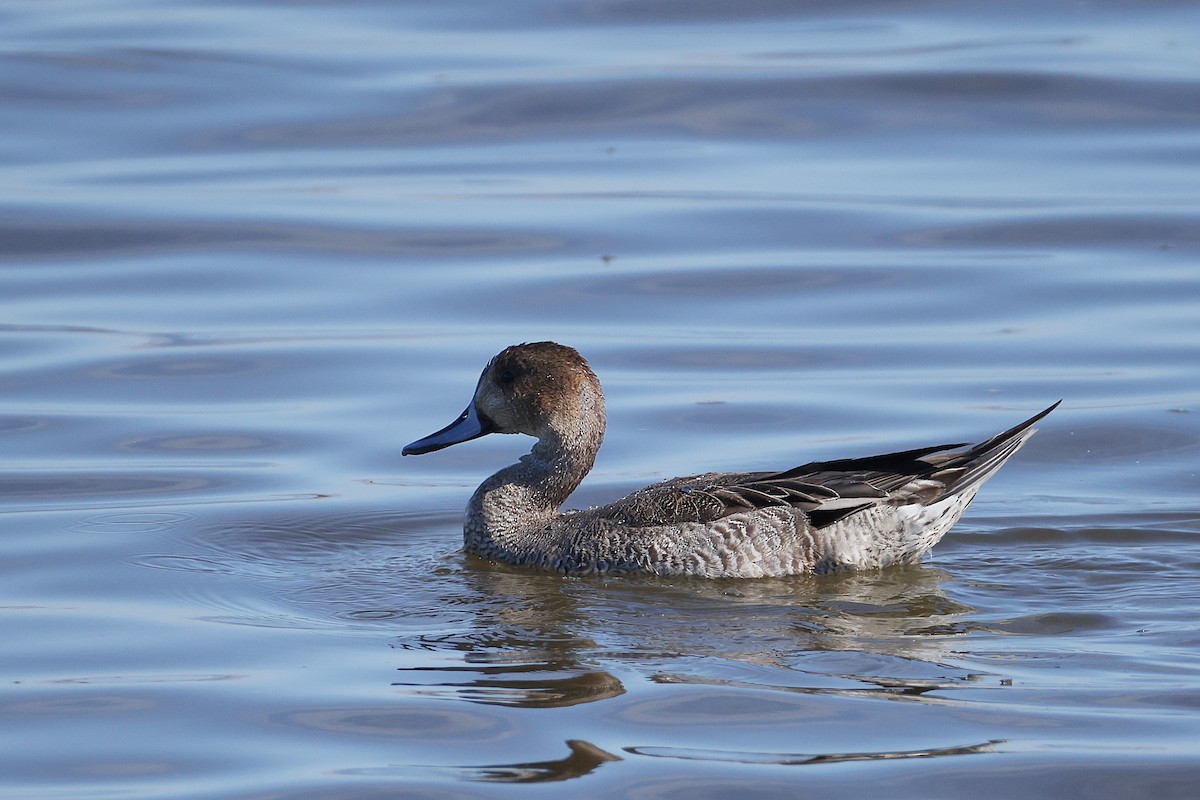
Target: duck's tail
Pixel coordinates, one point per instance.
(976, 464)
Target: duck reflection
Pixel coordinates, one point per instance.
(542, 641)
(528, 686)
(794, 759)
(584, 758)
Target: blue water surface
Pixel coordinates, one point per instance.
(249, 250)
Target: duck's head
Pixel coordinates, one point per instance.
(543, 389)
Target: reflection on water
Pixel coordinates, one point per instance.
(537, 642)
(794, 759)
(524, 686)
(583, 759)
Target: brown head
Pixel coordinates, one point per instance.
(542, 389)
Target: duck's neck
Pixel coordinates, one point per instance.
(510, 513)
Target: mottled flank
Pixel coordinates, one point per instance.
(856, 513)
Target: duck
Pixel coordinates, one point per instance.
(861, 513)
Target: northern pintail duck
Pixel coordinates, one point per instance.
(853, 513)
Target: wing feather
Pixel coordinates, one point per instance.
(825, 491)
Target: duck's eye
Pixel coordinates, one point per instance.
(507, 376)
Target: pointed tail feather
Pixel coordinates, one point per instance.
(979, 462)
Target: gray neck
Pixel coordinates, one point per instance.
(512, 510)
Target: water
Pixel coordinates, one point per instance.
(248, 251)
